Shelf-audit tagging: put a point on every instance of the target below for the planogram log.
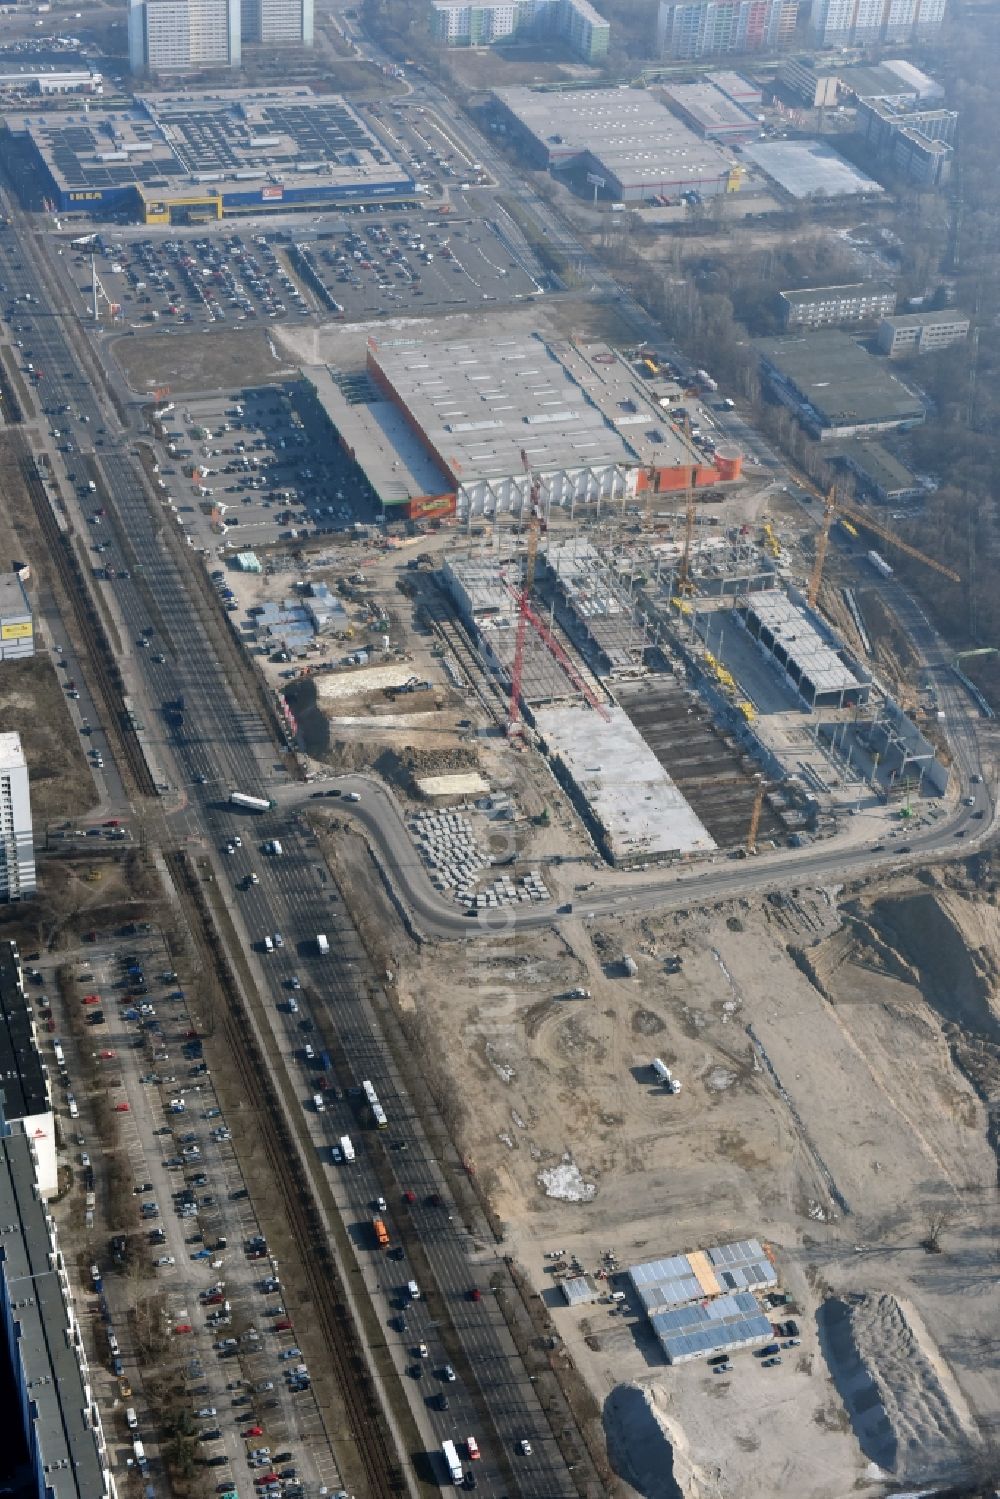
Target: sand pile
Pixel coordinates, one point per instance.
(906, 1410)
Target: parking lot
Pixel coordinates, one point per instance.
(188, 1241)
(248, 466)
(347, 267)
(192, 280)
(412, 265)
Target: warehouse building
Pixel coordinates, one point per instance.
(703, 1303)
(625, 138)
(17, 631)
(810, 169)
(24, 1084)
(738, 88)
(711, 113)
(831, 306)
(172, 157)
(810, 657)
(44, 73)
(455, 427)
(921, 332)
(835, 387)
(879, 473)
(53, 1400)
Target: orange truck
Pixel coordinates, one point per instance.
(381, 1233)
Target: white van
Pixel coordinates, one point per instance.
(268, 945)
(413, 1290)
(131, 1420)
(319, 1103)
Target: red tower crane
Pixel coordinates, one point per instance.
(526, 615)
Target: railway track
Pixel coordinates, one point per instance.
(452, 636)
(372, 1441)
(97, 652)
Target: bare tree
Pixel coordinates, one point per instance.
(937, 1222)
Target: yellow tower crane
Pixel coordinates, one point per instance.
(758, 807)
(837, 510)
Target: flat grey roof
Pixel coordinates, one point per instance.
(484, 401)
(229, 139)
(395, 461)
(13, 598)
(713, 109)
(736, 86)
(925, 319)
(801, 641)
(22, 67)
(879, 465)
(642, 812)
(838, 293)
(626, 131)
(845, 385)
(43, 1353)
(877, 82)
(809, 169)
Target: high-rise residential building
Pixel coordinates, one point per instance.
(847, 23)
(709, 28)
(17, 851)
(278, 22)
(458, 23)
(179, 36)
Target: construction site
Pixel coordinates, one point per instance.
(683, 689)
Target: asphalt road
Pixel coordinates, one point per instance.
(378, 814)
(227, 743)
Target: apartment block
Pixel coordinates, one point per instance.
(180, 36)
(456, 23)
(278, 23)
(710, 28)
(836, 306)
(17, 852)
(848, 23)
(916, 142)
(921, 332)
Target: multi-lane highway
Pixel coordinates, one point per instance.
(223, 743)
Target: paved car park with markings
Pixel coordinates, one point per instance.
(193, 1227)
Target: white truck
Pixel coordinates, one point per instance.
(665, 1076)
(451, 1461)
(250, 803)
(274, 848)
(346, 1148)
(322, 944)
